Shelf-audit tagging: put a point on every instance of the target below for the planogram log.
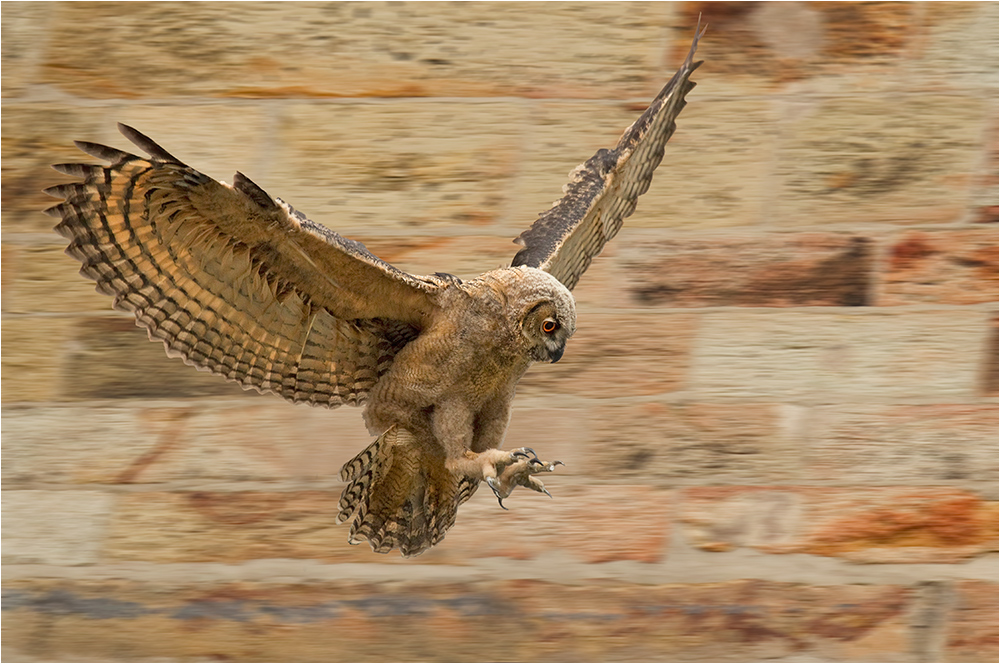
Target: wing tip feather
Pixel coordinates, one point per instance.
(139, 139)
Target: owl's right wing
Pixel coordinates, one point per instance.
(604, 190)
(236, 282)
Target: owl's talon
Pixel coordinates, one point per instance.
(494, 484)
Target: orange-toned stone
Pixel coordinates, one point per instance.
(954, 267)
(807, 269)
(879, 525)
(971, 631)
(513, 620)
(595, 524)
(220, 526)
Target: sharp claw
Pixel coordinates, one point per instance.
(493, 485)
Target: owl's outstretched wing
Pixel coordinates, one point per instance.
(234, 281)
(604, 189)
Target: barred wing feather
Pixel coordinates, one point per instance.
(236, 282)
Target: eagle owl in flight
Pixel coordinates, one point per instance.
(239, 283)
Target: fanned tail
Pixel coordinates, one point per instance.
(401, 495)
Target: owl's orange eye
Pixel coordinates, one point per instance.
(549, 326)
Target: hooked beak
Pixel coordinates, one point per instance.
(556, 355)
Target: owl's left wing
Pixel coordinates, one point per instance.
(604, 190)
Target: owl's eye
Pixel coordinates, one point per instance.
(549, 326)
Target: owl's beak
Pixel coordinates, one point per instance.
(556, 354)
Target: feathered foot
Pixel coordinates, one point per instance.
(518, 469)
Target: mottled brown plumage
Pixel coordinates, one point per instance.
(238, 283)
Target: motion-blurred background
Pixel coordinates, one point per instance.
(779, 416)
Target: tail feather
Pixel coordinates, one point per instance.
(401, 495)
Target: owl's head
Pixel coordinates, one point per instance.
(541, 307)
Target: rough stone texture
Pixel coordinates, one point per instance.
(45, 280)
(598, 524)
(54, 527)
(707, 442)
(414, 621)
(875, 525)
(342, 50)
(897, 444)
(24, 26)
(788, 353)
(902, 160)
(214, 526)
(947, 268)
(971, 633)
(33, 349)
(399, 165)
(838, 356)
(111, 358)
(206, 526)
(772, 271)
(266, 440)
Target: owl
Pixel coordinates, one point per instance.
(239, 283)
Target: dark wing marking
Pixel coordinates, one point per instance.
(604, 190)
(234, 281)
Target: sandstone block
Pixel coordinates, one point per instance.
(214, 526)
(955, 48)
(872, 525)
(805, 46)
(33, 354)
(24, 27)
(271, 441)
(617, 355)
(803, 269)
(54, 527)
(895, 159)
(954, 267)
(971, 632)
(595, 524)
(846, 356)
(903, 444)
(655, 442)
(991, 361)
(413, 621)
(317, 50)
(71, 445)
(262, 439)
(404, 165)
(111, 358)
(46, 280)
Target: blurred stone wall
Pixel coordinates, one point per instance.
(779, 416)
